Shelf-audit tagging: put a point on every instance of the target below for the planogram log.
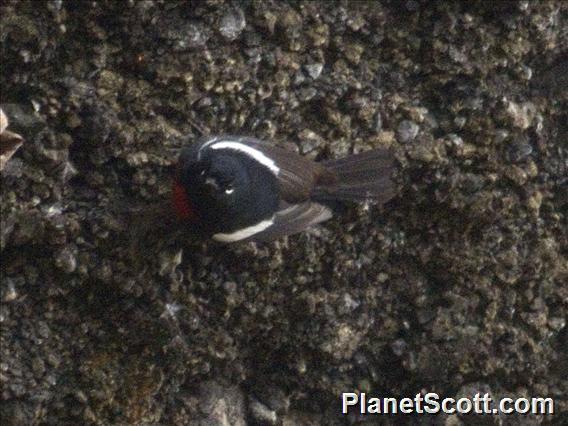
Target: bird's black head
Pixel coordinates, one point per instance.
(218, 180)
(226, 189)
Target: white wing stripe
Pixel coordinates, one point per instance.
(241, 234)
(248, 150)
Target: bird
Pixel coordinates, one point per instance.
(238, 188)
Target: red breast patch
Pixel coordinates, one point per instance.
(182, 205)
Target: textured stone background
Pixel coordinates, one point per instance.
(457, 286)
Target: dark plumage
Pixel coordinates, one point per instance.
(238, 188)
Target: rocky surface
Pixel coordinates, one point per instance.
(458, 284)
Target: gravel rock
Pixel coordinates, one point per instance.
(232, 24)
(221, 405)
(407, 131)
(262, 414)
(112, 314)
(314, 70)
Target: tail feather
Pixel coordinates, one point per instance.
(364, 176)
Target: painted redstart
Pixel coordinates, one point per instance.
(239, 188)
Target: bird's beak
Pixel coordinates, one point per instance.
(212, 183)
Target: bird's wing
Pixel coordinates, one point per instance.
(297, 176)
(291, 219)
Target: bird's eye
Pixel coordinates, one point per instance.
(229, 189)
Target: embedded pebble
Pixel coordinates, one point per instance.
(262, 414)
(406, 131)
(9, 293)
(314, 70)
(232, 24)
(521, 115)
(66, 261)
(519, 150)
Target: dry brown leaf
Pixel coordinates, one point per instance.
(3, 121)
(10, 142)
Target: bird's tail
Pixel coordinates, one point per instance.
(360, 177)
